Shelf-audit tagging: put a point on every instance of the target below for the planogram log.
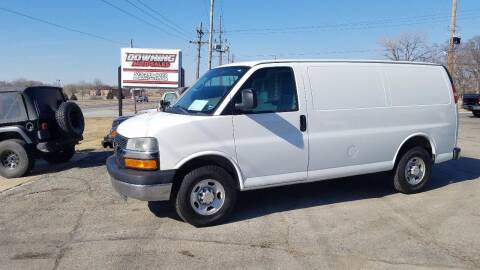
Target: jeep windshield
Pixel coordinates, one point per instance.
(208, 92)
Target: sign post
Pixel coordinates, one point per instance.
(120, 91)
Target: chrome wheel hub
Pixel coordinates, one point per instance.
(415, 171)
(10, 160)
(207, 197)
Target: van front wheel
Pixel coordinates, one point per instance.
(413, 170)
(206, 196)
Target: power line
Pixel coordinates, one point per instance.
(165, 19)
(62, 26)
(155, 18)
(140, 19)
(388, 22)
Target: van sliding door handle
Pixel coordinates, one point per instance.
(303, 123)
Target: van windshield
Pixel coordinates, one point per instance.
(208, 92)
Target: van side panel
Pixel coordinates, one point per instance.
(362, 112)
(417, 85)
(346, 124)
(422, 96)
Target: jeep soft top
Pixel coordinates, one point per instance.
(36, 122)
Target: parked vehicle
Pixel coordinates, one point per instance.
(255, 125)
(108, 140)
(141, 99)
(471, 102)
(168, 99)
(37, 122)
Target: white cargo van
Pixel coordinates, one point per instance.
(254, 125)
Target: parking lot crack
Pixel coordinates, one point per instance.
(64, 247)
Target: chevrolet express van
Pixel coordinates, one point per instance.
(255, 125)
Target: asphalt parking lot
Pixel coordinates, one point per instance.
(68, 217)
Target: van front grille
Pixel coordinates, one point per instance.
(120, 141)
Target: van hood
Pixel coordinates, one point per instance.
(145, 125)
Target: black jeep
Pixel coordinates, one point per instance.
(37, 122)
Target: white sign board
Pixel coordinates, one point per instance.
(151, 68)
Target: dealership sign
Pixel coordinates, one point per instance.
(152, 68)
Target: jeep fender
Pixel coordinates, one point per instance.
(18, 130)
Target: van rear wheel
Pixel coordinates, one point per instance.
(206, 196)
(412, 171)
(476, 113)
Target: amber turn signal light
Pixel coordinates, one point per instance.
(141, 164)
(113, 133)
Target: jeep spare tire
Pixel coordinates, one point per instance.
(70, 119)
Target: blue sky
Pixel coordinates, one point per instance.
(294, 29)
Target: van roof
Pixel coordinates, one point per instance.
(255, 63)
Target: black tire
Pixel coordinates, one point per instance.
(70, 119)
(476, 113)
(183, 205)
(64, 155)
(24, 158)
(400, 181)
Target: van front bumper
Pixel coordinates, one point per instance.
(140, 185)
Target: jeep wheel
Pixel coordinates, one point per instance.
(413, 170)
(15, 159)
(70, 119)
(206, 196)
(64, 155)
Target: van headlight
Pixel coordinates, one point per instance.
(142, 145)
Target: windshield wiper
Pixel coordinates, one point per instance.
(182, 110)
(178, 109)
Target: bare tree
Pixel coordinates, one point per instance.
(98, 84)
(406, 47)
(471, 61)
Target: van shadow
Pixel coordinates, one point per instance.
(280, 127)
(87, 158)
(263, 202)
(258, 203)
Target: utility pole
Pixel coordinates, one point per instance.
(210, 36)
(451, 45)
(222, 46)
(228, 55)
(199, 44)
(220, 51)
(131, 43)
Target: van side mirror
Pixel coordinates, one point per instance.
(248, 101)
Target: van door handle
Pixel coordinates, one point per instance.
(303, 123)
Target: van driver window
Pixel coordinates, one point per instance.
(274, 89)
